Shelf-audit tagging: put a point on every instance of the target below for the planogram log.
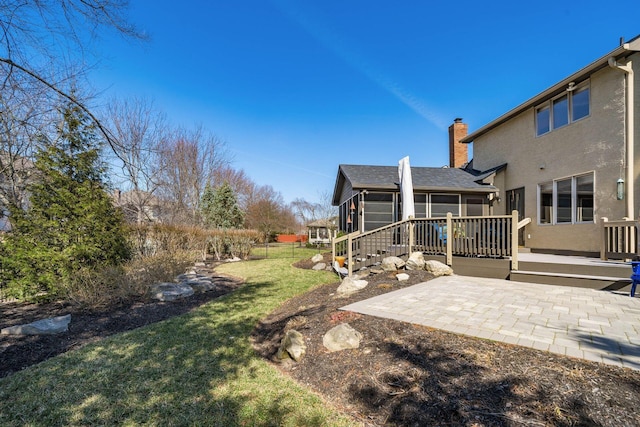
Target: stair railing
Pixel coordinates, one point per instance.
(490, 236)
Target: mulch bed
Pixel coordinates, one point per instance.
(402, 374)
(410, 375)
(20, 351)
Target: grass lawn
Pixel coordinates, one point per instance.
(198, 369)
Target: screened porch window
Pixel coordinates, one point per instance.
(378, 210)
(475, 207)
(420, 202)
(441, 204)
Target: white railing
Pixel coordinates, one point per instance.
(492, 236)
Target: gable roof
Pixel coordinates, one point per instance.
(366, 177)
(623, 50)
(484, 177)
(326, 222)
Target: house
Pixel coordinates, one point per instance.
(369, 197)
(566, 157)
(321, 231)
(138, 206)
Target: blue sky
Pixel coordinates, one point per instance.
(297, 87)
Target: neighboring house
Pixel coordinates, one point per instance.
(138, 206)
(566, 157)
(320, 232)
(369, 197)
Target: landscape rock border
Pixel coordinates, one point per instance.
(186, 285)
(50, 326)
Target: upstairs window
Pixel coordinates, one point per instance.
(543, 114)
(580, 103)
(562, 110)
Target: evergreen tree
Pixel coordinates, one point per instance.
(220, 207)
(70, 222)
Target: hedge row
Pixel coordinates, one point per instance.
(150, 240)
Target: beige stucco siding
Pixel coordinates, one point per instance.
(592, 144)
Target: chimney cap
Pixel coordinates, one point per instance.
(457, 120)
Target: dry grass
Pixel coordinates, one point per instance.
(115, 285)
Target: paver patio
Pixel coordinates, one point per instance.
(594, 325)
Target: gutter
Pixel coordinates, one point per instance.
(577, 77)
(629, 132)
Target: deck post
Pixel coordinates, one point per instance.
(333, 250)
(603, 242)
(350, 253)
(449, 235)
(514, 240)
(412, 237)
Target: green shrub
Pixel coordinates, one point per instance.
(70, 223)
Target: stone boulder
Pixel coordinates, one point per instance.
(51, 326)
(415, 261)
(317, 258)
(341, 337)
(319, 266)
(437, 268)
(187, 276)
(171, 291)
(392, 263)
(350, 285)
(292, 346)
(402, 277)
(201, 284)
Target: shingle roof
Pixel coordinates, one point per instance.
(328, 222)
(424, 178)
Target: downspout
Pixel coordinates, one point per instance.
(629, 133)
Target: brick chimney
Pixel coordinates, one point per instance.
(458, 153)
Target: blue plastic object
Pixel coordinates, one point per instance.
(635, 276)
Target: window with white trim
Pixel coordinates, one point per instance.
(566, 200)
(562, 110)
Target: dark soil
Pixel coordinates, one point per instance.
(402, 374)
(411, 375)
(20, 351)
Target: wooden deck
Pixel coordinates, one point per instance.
(573, 271)
(547, 269)
(485, 247)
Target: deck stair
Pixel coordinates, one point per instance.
(573, 271)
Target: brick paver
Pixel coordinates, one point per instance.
(590, 324)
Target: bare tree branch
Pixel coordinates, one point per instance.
(105, 133)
